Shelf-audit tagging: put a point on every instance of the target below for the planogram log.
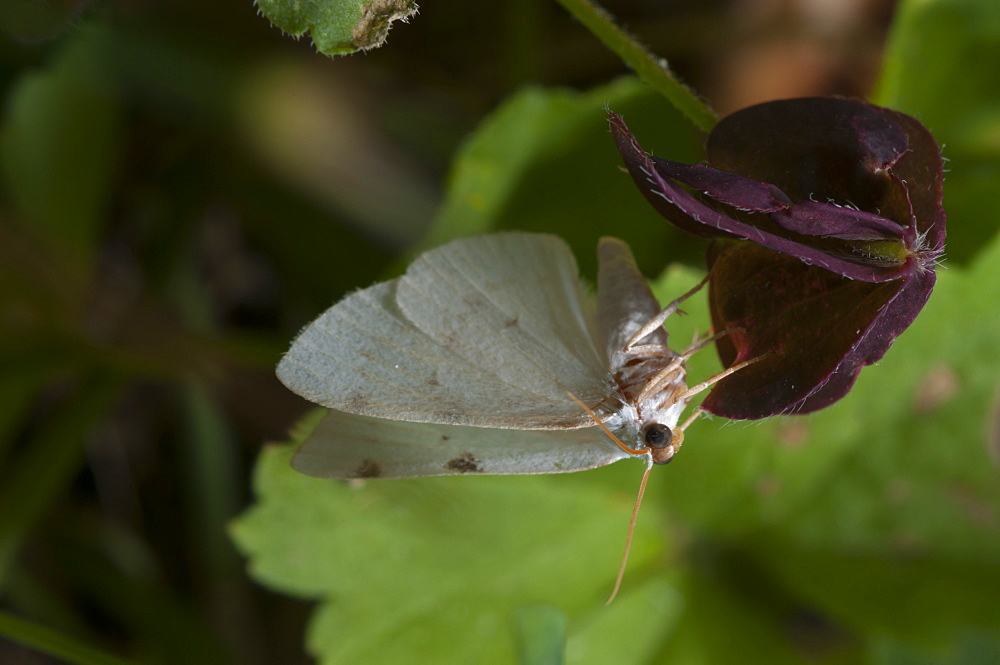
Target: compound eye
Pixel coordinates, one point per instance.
(657, 436)
(660, 441)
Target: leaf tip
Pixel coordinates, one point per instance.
(378, 17)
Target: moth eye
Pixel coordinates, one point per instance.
(657, 436)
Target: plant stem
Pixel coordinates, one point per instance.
(54, 643)
(651, 69)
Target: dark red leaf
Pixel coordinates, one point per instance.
(840, 201)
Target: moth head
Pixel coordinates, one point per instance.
(661, 441)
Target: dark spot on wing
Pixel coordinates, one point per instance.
(433, 382)
(464, 463)
(511, 323)
(369, 469)
(445, 437)
(472, 302)
(358, 402)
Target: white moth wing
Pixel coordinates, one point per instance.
(511, 369)
(512, 303)
(344, 445)
(364, 357)
(625, 303)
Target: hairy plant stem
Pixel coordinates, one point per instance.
(651, 69)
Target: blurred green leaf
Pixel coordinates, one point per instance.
(717, 624)
(886, 593)
(541, 635)
(647, 611)
(940, 67)
(974, 648)
(58, 144)
(545, 161)
(338, 26)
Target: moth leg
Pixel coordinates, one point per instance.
(664, 314)
(711, 381)
(666, 374)
(690, 419)
(699, 344)
(650, 350)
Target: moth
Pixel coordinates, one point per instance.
(466, 365)
(489, 355)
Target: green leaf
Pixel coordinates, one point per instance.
(647, 613)
(974, 648)
(940, 67)
(58, 144)
(718, 623)
(544, 161)
(432, 570)
(338, 26)
(541, 633)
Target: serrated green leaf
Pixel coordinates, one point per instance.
(338, 26)
(940, 67)
(432, 570)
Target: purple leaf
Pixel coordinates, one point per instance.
(840, 201)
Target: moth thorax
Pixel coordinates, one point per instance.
(640, 371)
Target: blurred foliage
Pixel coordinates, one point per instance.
(952, 90)
(182, 187)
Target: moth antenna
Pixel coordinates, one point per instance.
(631, 530)
(630, 451)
